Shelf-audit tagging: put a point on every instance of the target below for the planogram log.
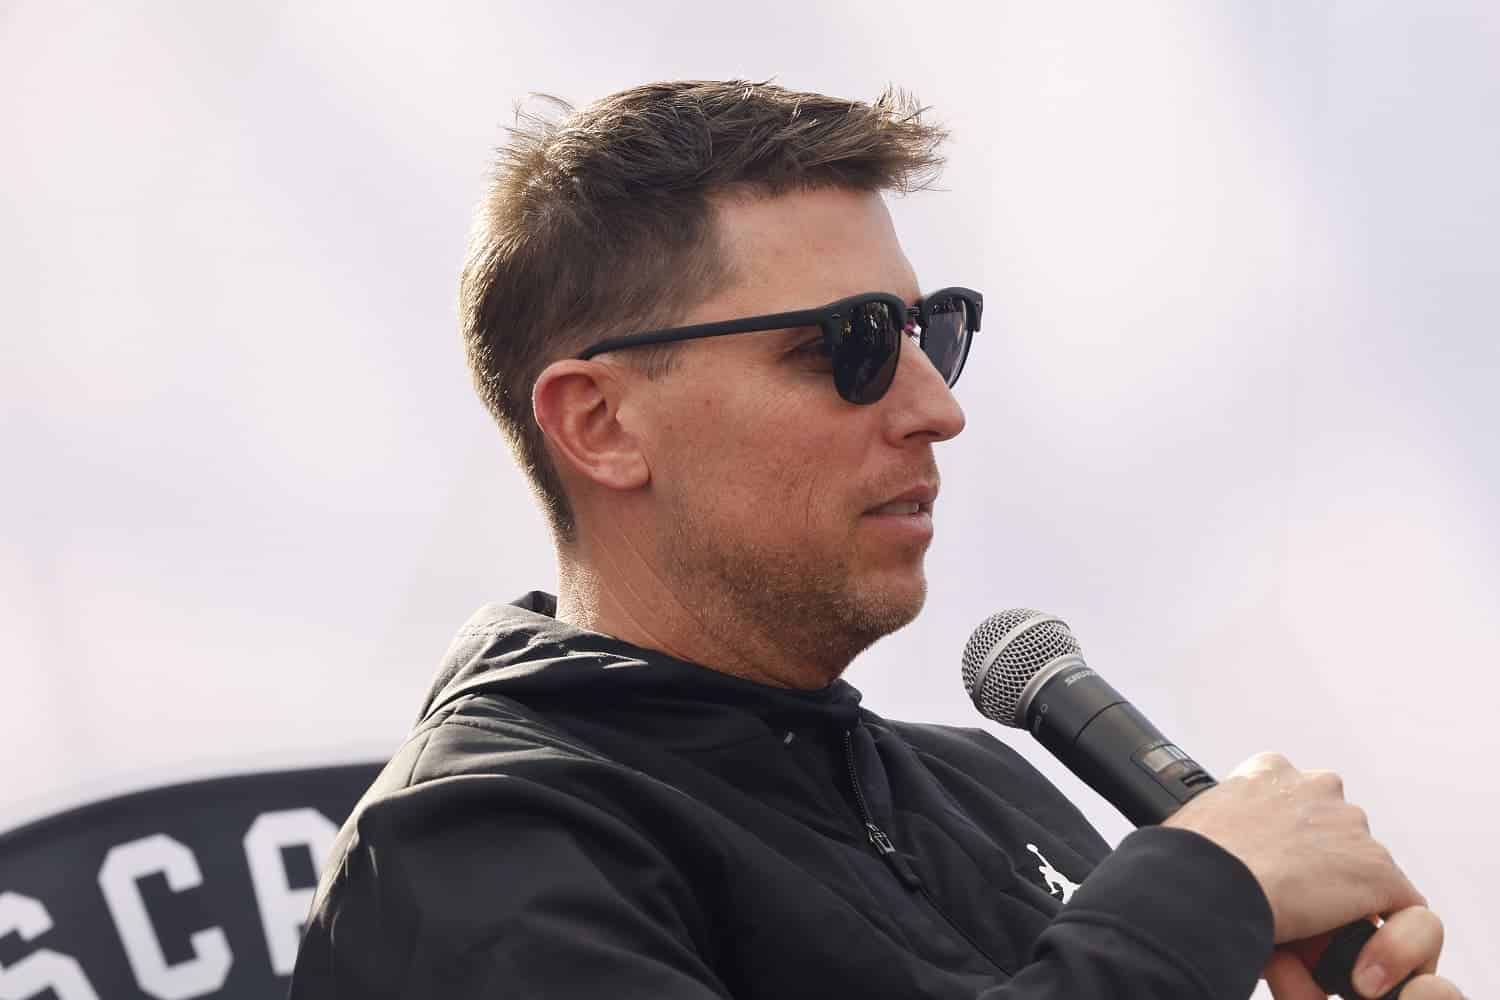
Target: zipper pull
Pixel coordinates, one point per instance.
(898, 864)
(878, 838)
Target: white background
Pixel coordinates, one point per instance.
(1233, 412)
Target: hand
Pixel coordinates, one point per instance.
(1408, 942)
(1311, 851)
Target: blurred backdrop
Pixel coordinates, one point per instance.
(1233, 413)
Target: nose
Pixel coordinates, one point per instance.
(919, 403)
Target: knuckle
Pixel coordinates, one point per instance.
(1428, 925)
(1326, 781)
(1263, 762)
(1382, 857)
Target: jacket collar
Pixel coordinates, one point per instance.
(520, 650)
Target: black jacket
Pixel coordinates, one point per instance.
(574, 816)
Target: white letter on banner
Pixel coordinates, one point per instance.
(123, 867)
(283, 910)
(43, 969)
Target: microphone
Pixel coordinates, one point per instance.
(1024, 669)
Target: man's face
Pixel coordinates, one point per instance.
(772, 492)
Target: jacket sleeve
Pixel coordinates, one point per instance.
(499, 886)
(1169, 914)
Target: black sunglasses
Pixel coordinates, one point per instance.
(863, 335)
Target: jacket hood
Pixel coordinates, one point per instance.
(522, 652)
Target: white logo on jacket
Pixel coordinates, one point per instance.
(1057, 883)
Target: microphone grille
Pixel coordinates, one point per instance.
(1016, 644)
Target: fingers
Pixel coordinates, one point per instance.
(1329, 782)
(1395, 893)
(1309, 848)
(1276, 766)
(1262, 763)
(1430, 988)
(1289, 979)
(1410, 941)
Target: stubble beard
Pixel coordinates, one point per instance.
(812, 610)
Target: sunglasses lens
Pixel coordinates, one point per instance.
(946, 339)
(865, 343)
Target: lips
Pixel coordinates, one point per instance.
(898, 507)
(917, 500)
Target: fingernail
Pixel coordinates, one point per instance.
(1370, 980)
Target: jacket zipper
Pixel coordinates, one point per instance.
(883, 846)
(878, 838)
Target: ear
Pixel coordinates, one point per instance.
(577, 405)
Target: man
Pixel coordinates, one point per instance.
(655, 784)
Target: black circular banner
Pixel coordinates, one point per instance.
(190, 890)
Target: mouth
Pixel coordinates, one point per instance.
(918, 500)
(904, 522)
(902, 507)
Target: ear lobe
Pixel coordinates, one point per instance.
(577, 405)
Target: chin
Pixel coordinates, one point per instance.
(893, 603)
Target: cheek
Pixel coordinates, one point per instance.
(791, 485)
(764, 461)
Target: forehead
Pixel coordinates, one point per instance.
(805, 248)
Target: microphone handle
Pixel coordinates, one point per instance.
(1085, 723)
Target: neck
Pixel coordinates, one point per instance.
(622, 595)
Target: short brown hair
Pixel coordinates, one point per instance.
(599, 222)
